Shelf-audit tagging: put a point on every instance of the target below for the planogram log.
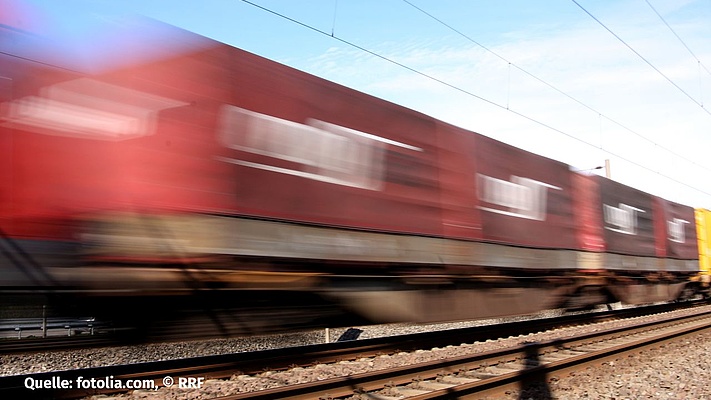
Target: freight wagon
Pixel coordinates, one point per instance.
(202, 168)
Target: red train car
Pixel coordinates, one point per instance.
(212, 163)
(638, 241)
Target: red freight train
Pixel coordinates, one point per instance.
(203, 166)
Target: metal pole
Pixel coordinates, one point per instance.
(44, 320)
(328, 336)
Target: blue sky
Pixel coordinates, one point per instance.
(555, 41)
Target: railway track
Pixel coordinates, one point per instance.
(112, 336)
(443, 375)
(491, 373)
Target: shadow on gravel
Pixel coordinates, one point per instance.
(350, 334)
(535, 385)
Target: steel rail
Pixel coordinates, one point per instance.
(493, 372)
(221, 366)
(108, 336)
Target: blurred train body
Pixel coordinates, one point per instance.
(205, 168)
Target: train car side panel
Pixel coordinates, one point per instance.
(332, 155)
(628, 219)
(680, 237)
(586, 195)
(460, 215)
(703, 232)
(523, 199)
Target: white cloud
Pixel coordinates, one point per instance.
(583, 61)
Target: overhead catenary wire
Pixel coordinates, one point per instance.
(643, 58)
(469, 93)
(335, 14)
(560, 91)
(698, 62)
(678, 37)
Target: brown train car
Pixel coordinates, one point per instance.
(212, 163)
(645, 251)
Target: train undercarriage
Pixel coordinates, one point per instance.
(246, 276)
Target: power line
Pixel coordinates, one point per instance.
(642, 57)
(468, 93)
(36, 61)
(335, 13)
(677, 36)
(680, 156)
(699, 63)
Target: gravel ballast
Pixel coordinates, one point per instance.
(675, 371)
